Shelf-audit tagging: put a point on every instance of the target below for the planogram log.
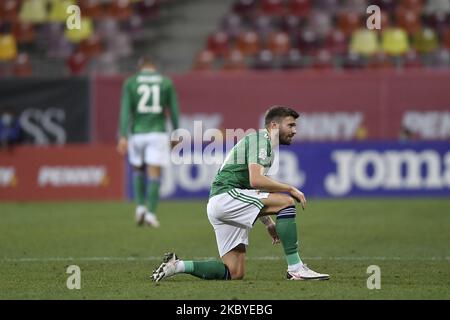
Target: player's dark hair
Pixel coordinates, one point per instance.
(277, 113)
(145, 60)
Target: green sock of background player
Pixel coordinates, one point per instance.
(139, 187)
(153, 194)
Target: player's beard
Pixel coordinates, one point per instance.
(286, 138)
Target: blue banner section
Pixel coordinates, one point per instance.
(359, 169)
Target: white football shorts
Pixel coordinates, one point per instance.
(232, 214)
(149, 148)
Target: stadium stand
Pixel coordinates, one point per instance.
(249, 34)
(330, 33)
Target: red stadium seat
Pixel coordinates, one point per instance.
(148, 8)
(337, 42)
(218, 43)
(300, 8)
(77, 63)
(91, 47)
(323, 60)
(22, 66)
(23, 32)
(9, 10)
(415, 5)
(273, 7)
(245, 7)
(446, 40)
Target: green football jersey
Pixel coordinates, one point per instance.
(145, 96)
(253, 148)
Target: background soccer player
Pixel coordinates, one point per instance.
(240, 193)
(145, 97)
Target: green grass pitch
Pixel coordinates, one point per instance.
(409, 239)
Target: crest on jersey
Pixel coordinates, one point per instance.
(263, 154)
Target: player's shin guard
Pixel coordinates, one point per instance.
(153, 194)
(139, 187)
(287, 232)
(208, 270)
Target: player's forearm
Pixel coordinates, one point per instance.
(266, 220)
(261, 182)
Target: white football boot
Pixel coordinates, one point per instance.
(140, 215)
(167, 268)
(151, 220)
(304, 273)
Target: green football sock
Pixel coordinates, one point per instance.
(207, 270)
(287, 231)
(139, 187)
(153, 194)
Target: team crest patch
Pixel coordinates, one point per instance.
(263, 154)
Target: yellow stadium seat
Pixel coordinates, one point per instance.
(365, 42)
(8, 47)
(58, 11)
(395, 42)
(33, 11)
(85, 32)
(425, 41)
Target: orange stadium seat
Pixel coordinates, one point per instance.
(273, 7)
(348, 22)
(279, 43)
(92, 8)
(234, 61)
(120, 9)
(218, 43)
(204, 60)
(248, 43)
(91, 47)
(408, 19)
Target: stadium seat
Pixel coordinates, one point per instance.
(86, 31)
(300, 8)
(107, 28)
(439, 21)
(234, 61)
(107, 64)
(22, 66)
(330, 6)
(441, 59)
(92, 9)
(352, 61)
(408, 19)
(279, 43)
(218, 43)
(308, 41)
(148, 9)
(91, 47)
(245, 7)
(349, 22)
(273, 7)
(323, 60)
(412, 60)
(232, 25)
(291, 24)
(336, 42)
(365, 42)
(446, 38)
(248, 43)
(9, 10)
(264, 60)
(415, 5)
(120, 45)
(77, 63)
(119, 9)
(380, 61)
(357, 6)
(425, 41)
(58, 46)
(204, 60)
(320, 22)
(263, 25)
(58, 11)
(8, 47)
(23, 32)
(33, 11)
(395, 41)
(293, 60)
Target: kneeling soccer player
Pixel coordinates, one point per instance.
(240, 193)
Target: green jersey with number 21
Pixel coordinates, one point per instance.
(145, 96)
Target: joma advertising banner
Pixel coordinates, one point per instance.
(48, 111)
(337, 170)
(61, 173)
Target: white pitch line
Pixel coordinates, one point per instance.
(265, 258)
